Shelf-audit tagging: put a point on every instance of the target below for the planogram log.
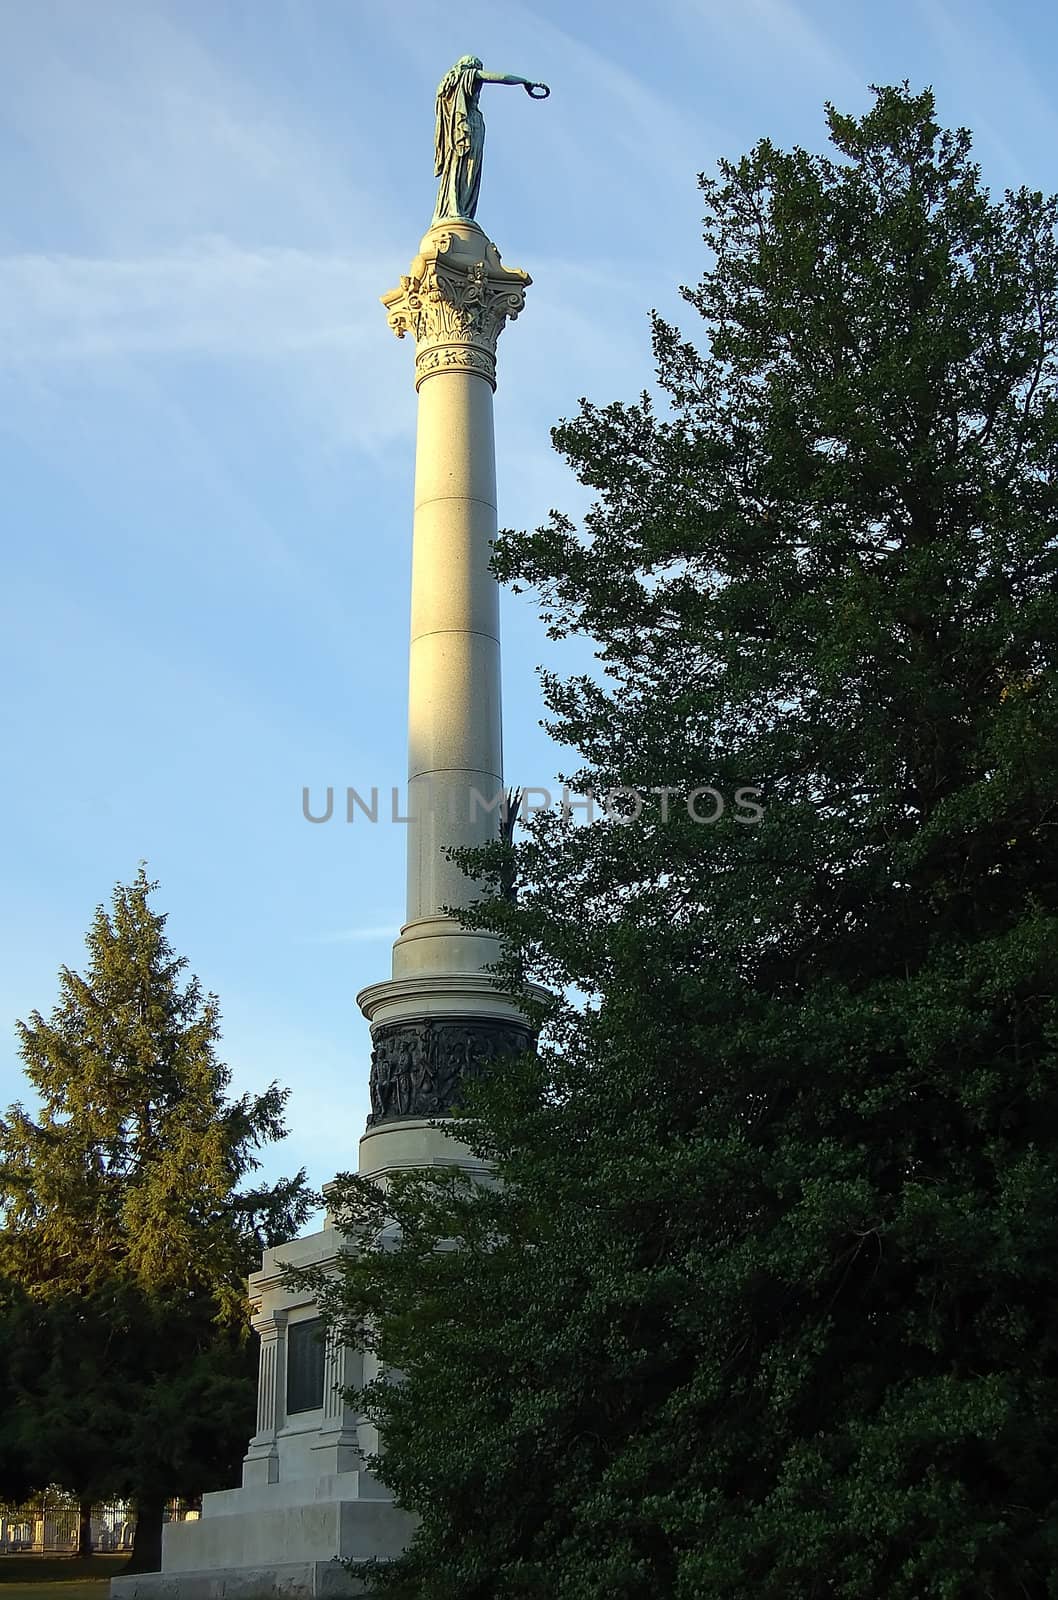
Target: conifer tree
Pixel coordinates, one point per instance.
(766, 1303)
(16, 1481)
(131, 1222)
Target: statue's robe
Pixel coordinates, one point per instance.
(459, 141)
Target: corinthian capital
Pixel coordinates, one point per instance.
(455, 301)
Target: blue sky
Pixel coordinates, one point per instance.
(207, 431)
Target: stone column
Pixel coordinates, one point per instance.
(439, 1015)
(455, 301)
(261, 1462)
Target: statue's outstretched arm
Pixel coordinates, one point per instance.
(512, 78)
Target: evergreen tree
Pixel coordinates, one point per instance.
(16, 1481)
(130, 1226)
(766, 1303)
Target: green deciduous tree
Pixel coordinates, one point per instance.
(130, 1227)
(767, 1304)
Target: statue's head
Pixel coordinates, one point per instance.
(469, 61)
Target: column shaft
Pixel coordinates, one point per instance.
(266, 1385)
(455, 756)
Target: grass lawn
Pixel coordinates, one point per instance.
(64, 1577)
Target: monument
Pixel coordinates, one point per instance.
(307, 1501)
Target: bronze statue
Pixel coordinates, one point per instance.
(459, 135)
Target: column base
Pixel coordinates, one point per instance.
(336, 1452)
(260, 1465)
(437, 946)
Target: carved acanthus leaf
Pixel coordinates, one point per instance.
(439, 304)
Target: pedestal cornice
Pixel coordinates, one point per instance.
(455, 301)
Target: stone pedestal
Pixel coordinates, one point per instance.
(306, 1500)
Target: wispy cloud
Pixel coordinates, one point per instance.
(986, 64)
(138, 130)
(763, 40)
(789, 32)
(211, 297)
(183, 207)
